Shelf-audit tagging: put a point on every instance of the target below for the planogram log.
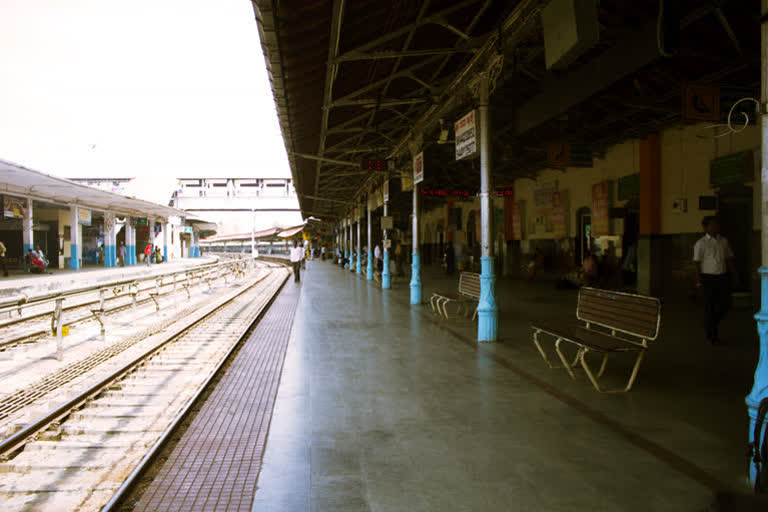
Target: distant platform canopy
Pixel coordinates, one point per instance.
(20, 181)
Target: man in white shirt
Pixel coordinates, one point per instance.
(377, 257)
(713, 257)
(297, 255)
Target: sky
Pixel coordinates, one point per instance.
(146, 88)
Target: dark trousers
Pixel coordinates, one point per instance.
(4, 266)
(717, 301)
(296, 271)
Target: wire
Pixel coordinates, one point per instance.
(730, 129)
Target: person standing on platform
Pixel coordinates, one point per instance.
(2, 259)
(148, 254)
(297, 255)
(713, 257)
(121, 255)
(450, 259)
(377, 257)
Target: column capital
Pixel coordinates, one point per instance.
(486, 78)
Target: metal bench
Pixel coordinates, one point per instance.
(468, 293)
(613, 322)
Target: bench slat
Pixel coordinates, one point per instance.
(635, 314)
(582, 336)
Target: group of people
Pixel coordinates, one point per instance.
(36, 261)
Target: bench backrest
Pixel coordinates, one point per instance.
(636, 315)
(469, 284)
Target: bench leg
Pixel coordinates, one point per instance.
(593, 378)
(444, 310)
(568, 367)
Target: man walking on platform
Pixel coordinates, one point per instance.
(121, 255)
(297, 255)
(713, 257)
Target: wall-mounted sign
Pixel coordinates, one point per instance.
(418, 168)
(385, 190)
(558, 154)
(84, 217)
(186, 229)
(141, 221)
(14, 207)
(387, 244)
(558, 215)
(733, 168)
(629, 187)
(600, 207)
(701, 103)
(387, 222)
(466, 136)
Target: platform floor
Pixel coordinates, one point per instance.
(57, 279)
(383, 407)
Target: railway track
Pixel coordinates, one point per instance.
(77, 455)
(38, 322)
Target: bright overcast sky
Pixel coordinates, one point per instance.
(112, 88)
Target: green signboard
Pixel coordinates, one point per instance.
(733, 168)
(141, 221)
(629, 186)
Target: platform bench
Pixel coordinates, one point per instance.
(468, 294)
(609, 322)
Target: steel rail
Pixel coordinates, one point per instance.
(16, 441)
(130, 482)
(20, 338)
(25, 301)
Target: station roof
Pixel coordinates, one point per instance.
(23, 182)
(368, 79)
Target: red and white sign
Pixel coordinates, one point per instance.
(466, 136)
(418, 168)
(600, 220)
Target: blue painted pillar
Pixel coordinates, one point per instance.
(416, 263)
(165, 242)
(760, 385)
(369, 269)
(345, 242)
(386, 278)
(359, 268)
(74, 237)
(110, 252)
(27, 233)
(487, 311)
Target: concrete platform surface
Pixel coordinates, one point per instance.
(384, 407)
(60, 279)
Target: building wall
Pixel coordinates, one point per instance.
(686, 153)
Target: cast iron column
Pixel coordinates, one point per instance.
(760, 386)
(369, 270)
(487, 311)
(386, 280)
(415, 266)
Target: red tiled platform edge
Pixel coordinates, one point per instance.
(216, 463)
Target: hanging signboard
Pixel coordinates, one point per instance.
(406, 182)
(385, 190)
(466, 136)
(558, 215)
(186, 229)
(418, 168)
(600, 217)
(84, 217)
(387, 244)
(14, 207)
(387, 222)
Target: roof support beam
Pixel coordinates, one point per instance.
(330, 77)
(375, 102)
(328, 160)
(637, 49)
(351, 56)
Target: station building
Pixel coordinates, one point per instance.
(40, 210)
(535, 131)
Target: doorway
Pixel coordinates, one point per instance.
(735, 213)
(584, 235)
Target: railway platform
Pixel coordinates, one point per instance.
(60, 279)
(383, 406)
